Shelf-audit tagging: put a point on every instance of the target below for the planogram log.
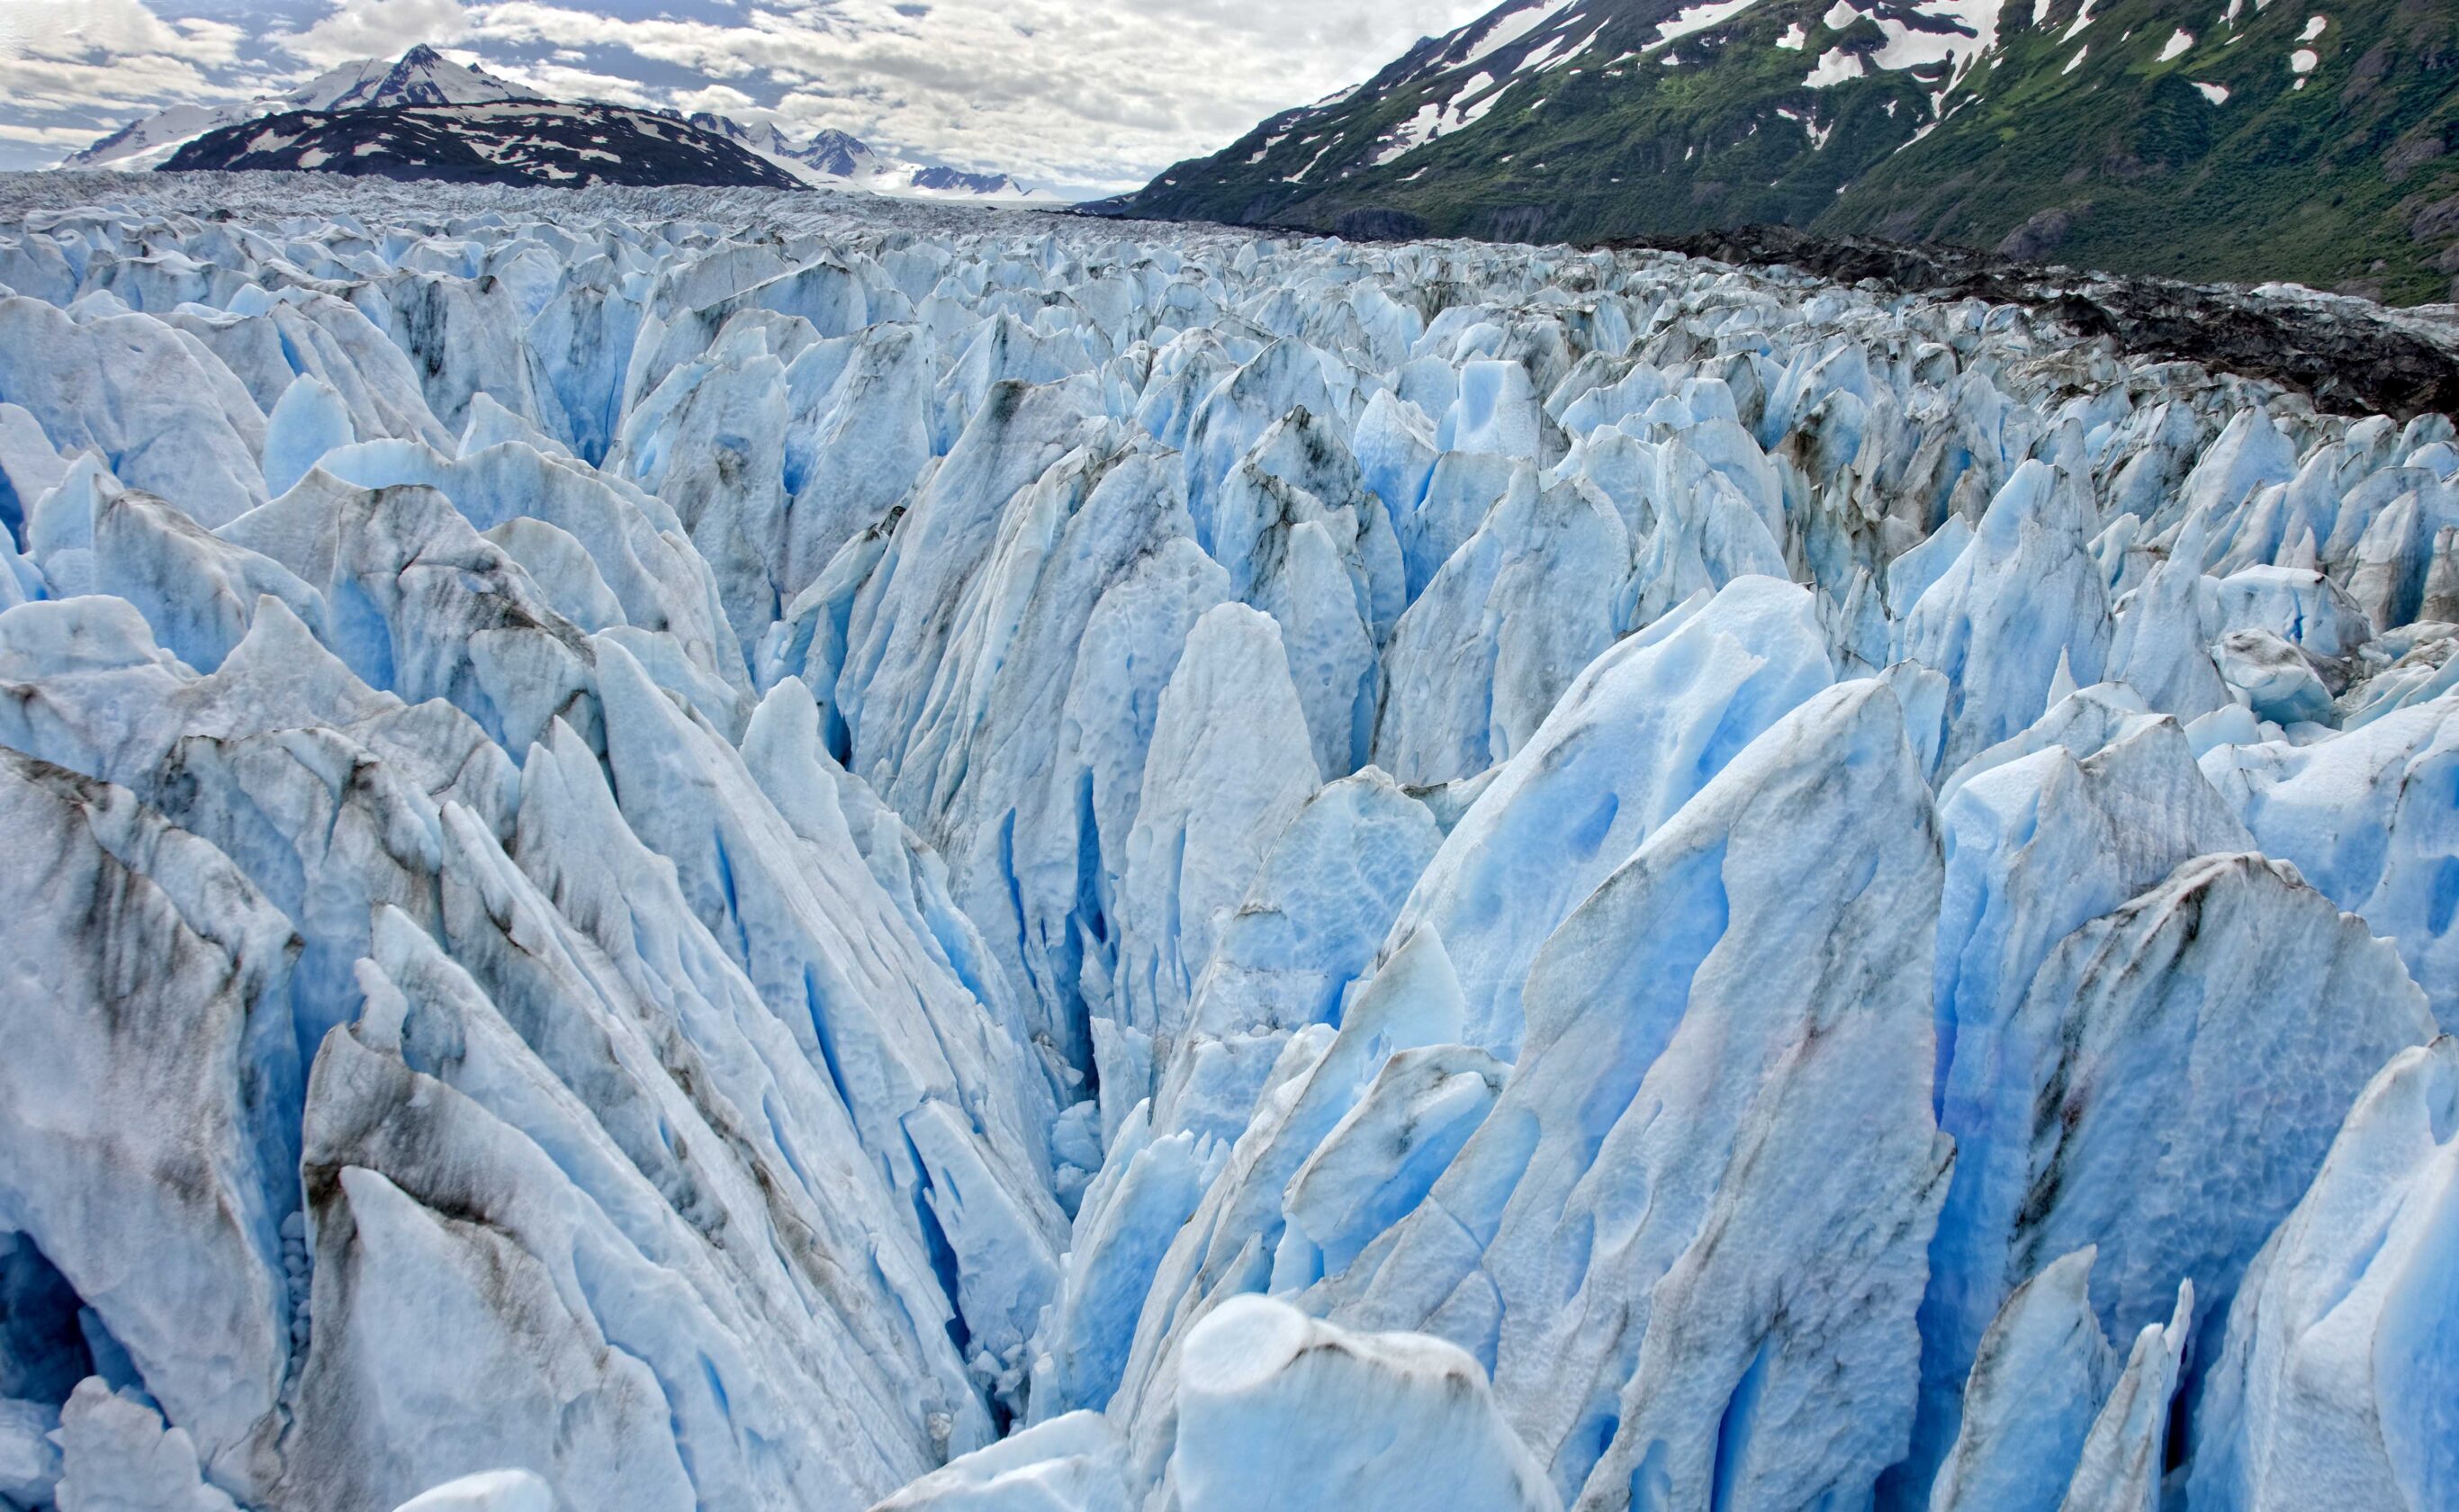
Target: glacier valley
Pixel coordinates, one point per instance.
(739, 851)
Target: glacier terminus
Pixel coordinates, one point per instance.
(785, 853)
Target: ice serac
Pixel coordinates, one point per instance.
(2039, 1372)
(711, 436)
(198, 594)
(2053, 1418)
(146, 1158)
(115, 1454)
(488, 1491)
(1278, 1409)
(2370, 820)
(1406, 1128)
(410, 1247)
(907, 612)
(2158, 648)
(2181, 1010)
(309, 419)
(1238, 1237)
(1611, 1237)
(1149, 1188)
(714, 1330)
(856, 454)
(1633, 738)
(936, 1087)
(2022, 598)
(2098, 802)
(1321, 901)
(603, 555)
(425, 607)
(128, 389)
(1073, 1463)
(2125, 1455)
(1506, 624)
(2336, 1380)
(849, 1280)
(1072, 875)
(1231, 765)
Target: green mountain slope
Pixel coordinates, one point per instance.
(2227, 139)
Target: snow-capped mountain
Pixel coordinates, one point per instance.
(836, 160)
(419, 76)
(499, 143)
(2148, 136)
(720, 849)
(835, 154)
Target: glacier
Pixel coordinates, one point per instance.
(704, 850)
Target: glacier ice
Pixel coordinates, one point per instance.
(488, 1491)
(2039, 1374)
(2336, 1377)
(117, 1456)
(682, 850)
(1278, 1409)
(1069, 1464)
(1651, 1315)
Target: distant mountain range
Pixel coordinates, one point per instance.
(461, 123)
(833, 159)
(2237, 139)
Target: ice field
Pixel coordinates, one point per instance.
(751, 851)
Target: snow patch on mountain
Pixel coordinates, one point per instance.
(1498, 31)
(1470, 104)
(1695, 18)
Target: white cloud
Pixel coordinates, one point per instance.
(361, 28)
(1087, 93)
(570, 81)
(65, 29)
(720, 98)
(1084, 91)
(73, 68)
(49, 138)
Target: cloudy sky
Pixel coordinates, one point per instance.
(1083, 95)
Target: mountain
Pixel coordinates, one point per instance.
(836, 154)
(419, 76)
(501, 142)
(945, 180)
(836, 160)
(2245, 142)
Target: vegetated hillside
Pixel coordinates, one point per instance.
(513, 142)
(2223, 139)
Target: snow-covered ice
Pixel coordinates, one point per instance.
(718, 851)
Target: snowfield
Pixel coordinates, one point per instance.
(712, 849)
